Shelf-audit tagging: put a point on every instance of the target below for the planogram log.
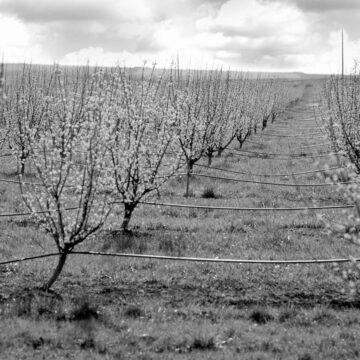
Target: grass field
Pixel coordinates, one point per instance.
(106, 308)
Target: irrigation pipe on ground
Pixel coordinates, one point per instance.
(254, 154)
(279, 154)
(189, 206)
(187, 259)
(233, 208)
(265, 182)
(268, 175)
(36, 212)
(300, 148)
(290, 136)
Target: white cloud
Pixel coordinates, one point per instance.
(247, 34)
(18, 42)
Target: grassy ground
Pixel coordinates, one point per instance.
(105, 308)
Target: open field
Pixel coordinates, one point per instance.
(109, 308)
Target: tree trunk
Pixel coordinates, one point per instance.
(264, 123)
(22, 169)
(210, 156)
(189, 171)
(219, 153)
(57, 271)
(127, 217)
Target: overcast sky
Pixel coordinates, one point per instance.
(266, 35)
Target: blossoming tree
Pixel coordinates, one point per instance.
(70, 198)
(143, 139)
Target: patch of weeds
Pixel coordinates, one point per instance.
(168, 343)
(193, 214)
(291, 196)
(32, 341)
(173, 245)
(84, 311)
(157, 226)
(251, 195)
(203, 343)
(6, 270)
(167, 193)
(190, 194)
(170, 212)
(253, 223)
(209, 193)
(287, 314)
(303, 319)
(234, 228)
(260, 316)
(134, 311)
(36, 303)
(304, 225)
(268, 346)
(186, 344)
(88, 343)
(323, 316)
(120, 241)
(276, 239)
(267, 202)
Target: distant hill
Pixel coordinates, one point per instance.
(11, 69)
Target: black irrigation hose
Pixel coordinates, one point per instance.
(266, 182)
(268, 175)
(187, 259)
(196, 207)
(216, 260)
(232, 208)
(29, 183)
(18, 260)
(298, 149)
(289, 136)
(35, 212)
(19, 182)
(299, 155)
(254, 154)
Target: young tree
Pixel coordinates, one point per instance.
(244, 119)
(197, 106)
(143, 139)
(230, 117)
(342, 115)
(70, 199)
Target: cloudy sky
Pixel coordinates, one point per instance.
(266, 35)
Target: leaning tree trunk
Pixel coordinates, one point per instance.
(60, 265)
